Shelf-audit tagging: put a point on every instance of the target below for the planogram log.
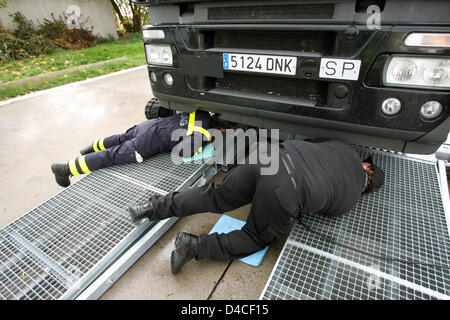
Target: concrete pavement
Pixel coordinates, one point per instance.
(53, 126)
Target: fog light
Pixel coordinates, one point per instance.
(168, 79)
(153, 77)
(391, 106)
(431, 109)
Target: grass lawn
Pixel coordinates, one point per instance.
(132, 48)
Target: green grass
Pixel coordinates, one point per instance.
(131, 48)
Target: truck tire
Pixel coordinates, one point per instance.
(151, 109)
(154, 111)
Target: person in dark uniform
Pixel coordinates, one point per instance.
(315, 176)
(137, 144)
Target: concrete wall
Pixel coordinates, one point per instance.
(99, 12)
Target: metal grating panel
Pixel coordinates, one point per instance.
(55, 250)
(404, 220)
(156, 174)
(302, 274)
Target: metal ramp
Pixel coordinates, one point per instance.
(407, 219)
(69, 246)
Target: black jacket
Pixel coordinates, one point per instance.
(328, 173)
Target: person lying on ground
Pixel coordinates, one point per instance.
(138, 143)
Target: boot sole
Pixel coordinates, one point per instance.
(63, 181)
(133, 215)
(137, 216)
(173, 267)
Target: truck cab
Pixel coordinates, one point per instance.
(371, 73)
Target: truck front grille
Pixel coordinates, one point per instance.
(307, 90)
(299, 41)
(279, 12)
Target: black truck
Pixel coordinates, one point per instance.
(372, 73)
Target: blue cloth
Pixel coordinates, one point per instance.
(207, 152)
(226, 224)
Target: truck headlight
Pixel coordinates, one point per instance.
(436, 73)
(403, 70)
(424, 73)
(159, 54)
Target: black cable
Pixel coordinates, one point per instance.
(218, 281)
(332, 240)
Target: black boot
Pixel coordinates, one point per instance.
(143, 210)
(88, 149)
(186, 248)
(62, 174)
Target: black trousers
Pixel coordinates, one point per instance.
(244, 184)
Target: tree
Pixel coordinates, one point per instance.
(132, 17)
(3, 4)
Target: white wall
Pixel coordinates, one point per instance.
(100, 13)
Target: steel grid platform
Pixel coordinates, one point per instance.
(58, 249)
(406, 220)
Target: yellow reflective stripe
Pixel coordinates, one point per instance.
(191, 123)
(200, 149)
(83, 165)
(73, 168)
(205, 132)
(192, 127)
(202, 131)
(94, 145)
(101, 145)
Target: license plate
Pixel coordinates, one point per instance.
(260, 63)
(343, 69)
